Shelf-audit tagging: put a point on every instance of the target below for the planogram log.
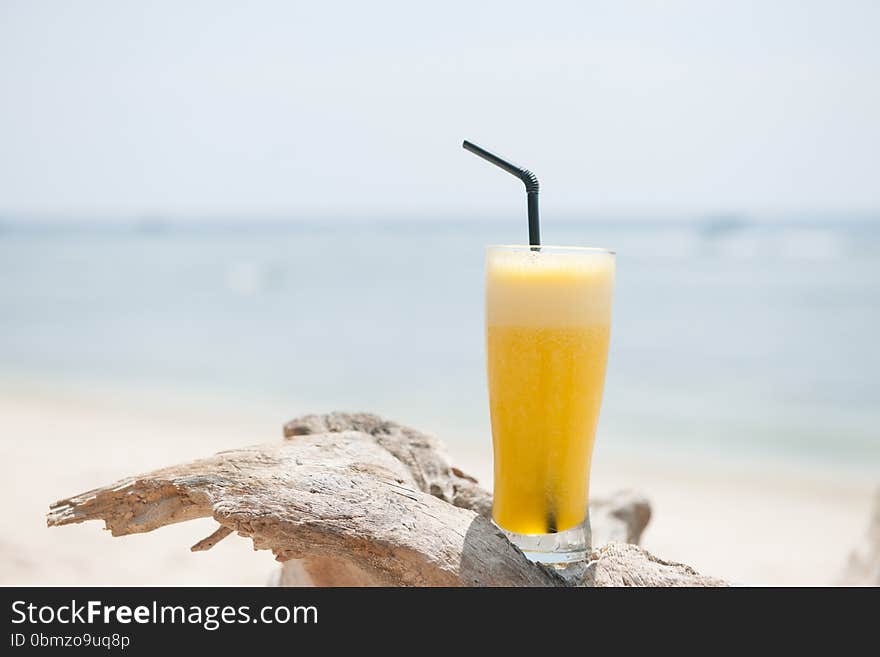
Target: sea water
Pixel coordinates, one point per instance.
(732, 338)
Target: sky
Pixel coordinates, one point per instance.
(130, 108)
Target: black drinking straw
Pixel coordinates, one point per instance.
(529, 179)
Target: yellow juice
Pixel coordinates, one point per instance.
(548, 318)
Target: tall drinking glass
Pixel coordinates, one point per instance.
(548, 320)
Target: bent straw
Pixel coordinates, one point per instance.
(530, 180)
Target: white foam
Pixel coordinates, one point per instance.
(550, 287)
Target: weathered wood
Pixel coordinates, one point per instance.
(359, 500)
(210, 541)
(863, 565)
(618, 564)
(422, 454)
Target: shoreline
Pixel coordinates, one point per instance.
(749, 523)
(466, 444)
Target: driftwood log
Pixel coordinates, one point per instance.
(352, 499)
(863, 565)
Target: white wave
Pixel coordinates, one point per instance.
(812, 244)
(245, 279)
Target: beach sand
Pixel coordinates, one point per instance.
(749, 525)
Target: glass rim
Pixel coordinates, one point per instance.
(553, 247)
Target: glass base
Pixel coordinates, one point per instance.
(557, 549)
